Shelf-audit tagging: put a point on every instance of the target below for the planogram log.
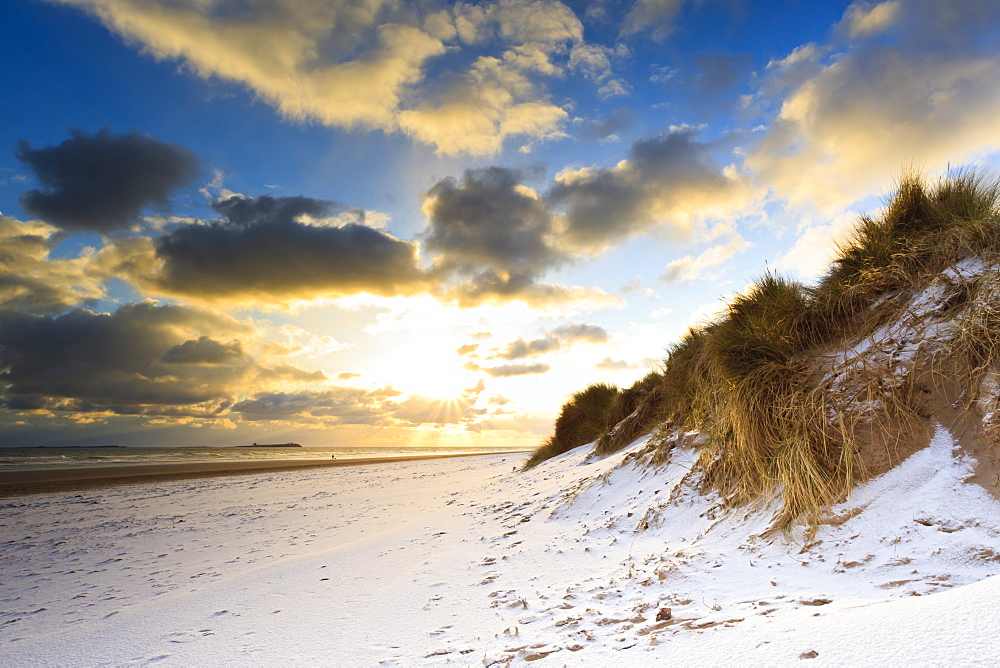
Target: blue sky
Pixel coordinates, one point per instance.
(387, 223)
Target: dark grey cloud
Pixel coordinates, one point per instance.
(246, 212)
(335, 406)
(142, 359)
(666, 182)
(557, 339)
(279, 248)
(494, 239)
(103, 182)
(492, 230)
(203, 350)
(492, 285)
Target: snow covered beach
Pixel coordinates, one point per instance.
(57, 478)
(464, 561)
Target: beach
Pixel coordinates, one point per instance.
(465, 561)
(56, 478)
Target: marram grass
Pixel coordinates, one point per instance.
(770, 428)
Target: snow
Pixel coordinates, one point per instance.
(468, 562)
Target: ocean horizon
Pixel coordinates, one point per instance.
(15, 458)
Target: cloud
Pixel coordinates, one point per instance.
(914, 83)
(34, 282)
(654, 16)
(608, 364)
(498, 237)
(668, 183)
(864, 19)
(335, 406)
(203, 350)
(102, 182)
(291, 341)
(275, 249)
(490, 103)
(142, 359)
(594, 62)
(690, 268)
(490, 219)
(495, 233)
(533, 22)
(509, 370)
(463, 79)
(557, 339)
(339, 406)
(489, 237)
(816, 246)
(581, 331)
(344, 63)
(492, 288)
(500, 95)
(617, 121)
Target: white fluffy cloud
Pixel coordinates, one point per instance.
(33, 281)
(698, 267)
(903, 83)
(366, 63)
(816, 246)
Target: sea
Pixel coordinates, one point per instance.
(74, 457)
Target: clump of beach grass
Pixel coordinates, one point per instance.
(773, 426)
(582, 420)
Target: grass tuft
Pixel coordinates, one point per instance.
(770, 425)
(582, 420)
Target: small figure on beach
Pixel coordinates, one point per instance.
(333, 456)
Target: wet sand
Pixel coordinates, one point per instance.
(33, 481)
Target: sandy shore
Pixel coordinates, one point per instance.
(462, 561)
(32, 481)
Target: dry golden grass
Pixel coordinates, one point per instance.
(772, 427)
(583, 419)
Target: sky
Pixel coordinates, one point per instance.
(379, 223)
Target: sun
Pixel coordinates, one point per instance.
(424, 363)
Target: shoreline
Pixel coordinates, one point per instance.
(41, 480)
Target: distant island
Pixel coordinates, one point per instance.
(271, 445)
